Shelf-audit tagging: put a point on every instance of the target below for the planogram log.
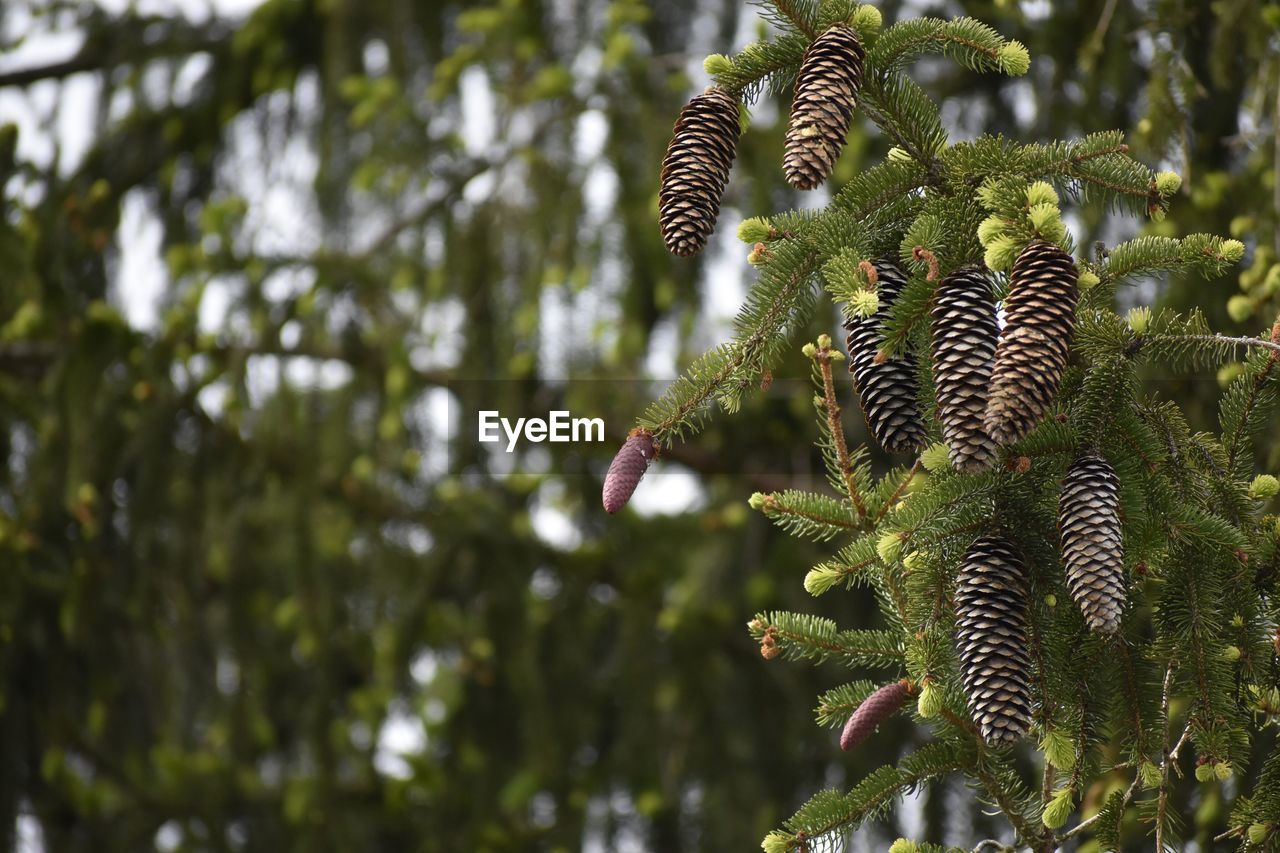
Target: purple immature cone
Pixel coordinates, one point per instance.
(873, 711)
(626, 470)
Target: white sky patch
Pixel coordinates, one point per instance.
(142, 277)
(402, 736)
(669, 489)
(478, 110)
(550, 522)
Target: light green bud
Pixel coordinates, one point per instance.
(1041, 192)
(1232, 250)
(717, 63)
(756, 501)
(913, 561)
(889, 547)
(902, 845)
(1264, 487)
(1242, 225)
(1001, 253)
(1168, 183)
(1058, 809)
(935, 458)
(1222, 771)
(824, 341)
(820, 579)
(1059, 750)
(755, 230)
(1051, 600)
(1229, 373)
(1088, 280)
(1204, 772)
(1149, 774)
(991, 228)
(867, 20)
(930, 703)
(1240, 308)
(1258, 833)
(1014, 59)
(898, 155)
(1231, 653)
(1043, 216)
(776, 842)
(865, 303)
(809, 350)
(1139, 319)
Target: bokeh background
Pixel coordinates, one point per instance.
(261, 261)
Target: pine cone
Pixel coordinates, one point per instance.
(826, 93)
(696, 170)
(1089, 520)
(991, 639)
(1034, 343)
(873, 711)
(964, 344)
(886, 390)
(628, 466)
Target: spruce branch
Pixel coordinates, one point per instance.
(835, 427)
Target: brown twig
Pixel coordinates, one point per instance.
(836, 427)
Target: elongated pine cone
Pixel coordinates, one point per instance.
(887, 390)
(873, 711)
(1034, 343)
(628, 466)
(696, 170)
(1092, 548)
(825, 95)
(991, 639)
(964, 346)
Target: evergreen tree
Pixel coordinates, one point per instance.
(1144, 668)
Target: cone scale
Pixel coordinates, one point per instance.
(1092, 547)
(1034, 343)
(695, 170)
(964, 345)
(826, 93)
(991, 639)
(886, 390)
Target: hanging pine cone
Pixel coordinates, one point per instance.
(887, 390)
(696, 170)
(873, 711)
(1034, 343)
(825, 95)
(964, 344)
(626, 469)
(1092, 549)
(991, 639)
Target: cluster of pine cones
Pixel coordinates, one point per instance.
(696, 168)
(993, 385)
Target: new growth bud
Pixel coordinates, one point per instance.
(930, 703)
(755, 230)
(1014, 59)
(1240, 308)
(1041, 192)
(865, 303)
(1001, 253)
(903, 845)
(1168, 183)
(821, 579)
(776, 842)
(1088, 280)
(934, 458)
(717, 63)
(889, 547)
(1264, 487)
(1139, 319)
(1058, 809)
(1232, 250)
(867, 20)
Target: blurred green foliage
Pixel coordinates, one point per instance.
(242, 548)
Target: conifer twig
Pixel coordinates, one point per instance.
(893, 498)
(836, 427)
